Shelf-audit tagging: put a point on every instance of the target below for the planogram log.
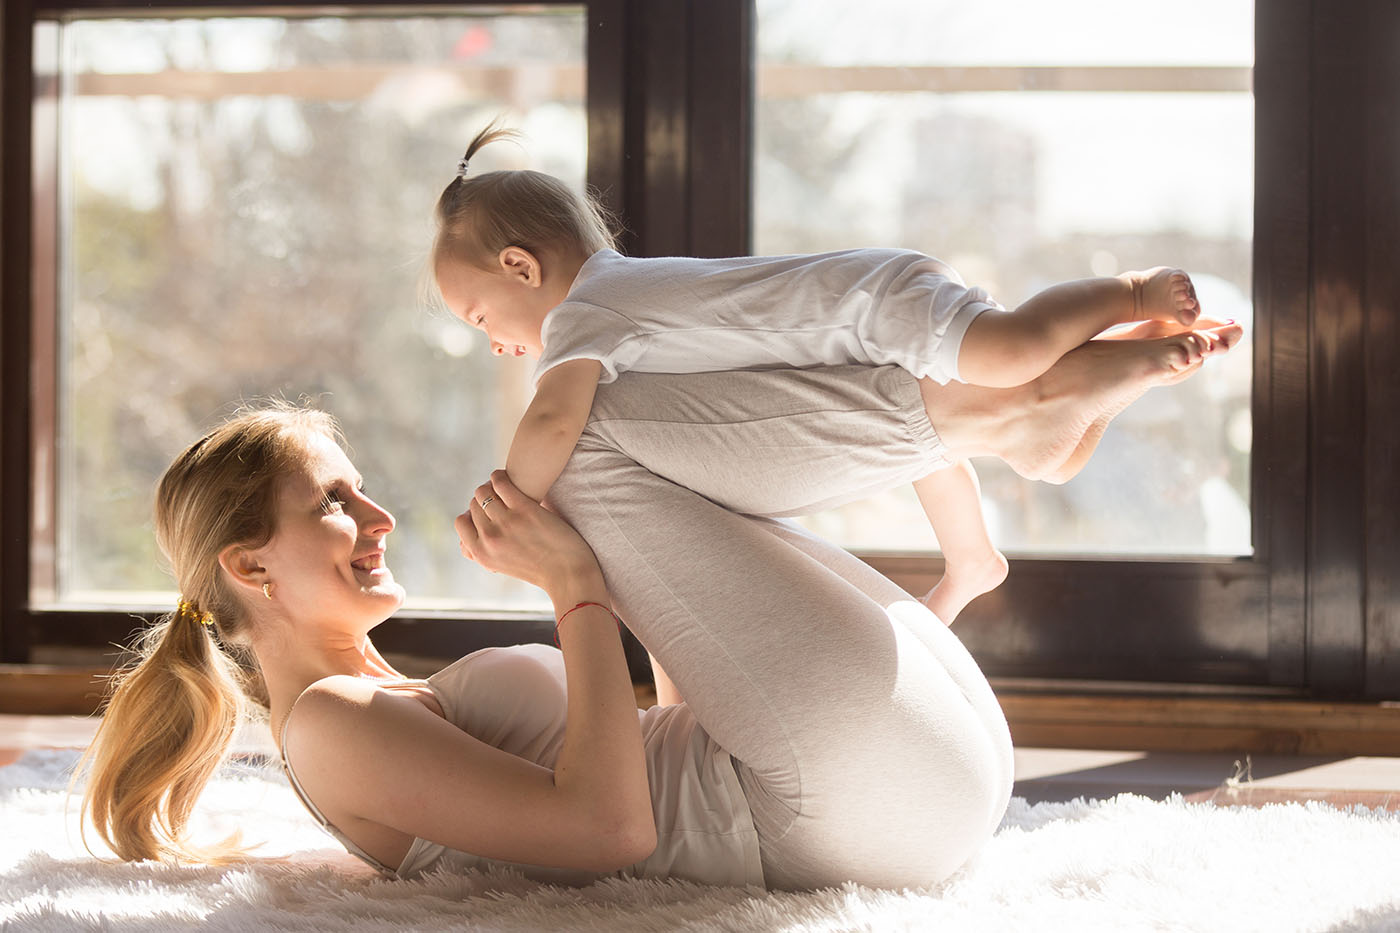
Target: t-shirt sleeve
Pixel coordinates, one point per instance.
(577, 331)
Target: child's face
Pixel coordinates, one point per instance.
(501, 302)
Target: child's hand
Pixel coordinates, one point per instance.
(505, 531)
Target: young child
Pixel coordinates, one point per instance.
(523, 258)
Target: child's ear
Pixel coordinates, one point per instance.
(522, 264)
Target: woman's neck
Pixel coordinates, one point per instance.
(290, 665)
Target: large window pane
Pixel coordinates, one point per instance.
(1028, 143)
(245, 207)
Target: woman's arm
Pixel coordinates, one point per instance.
(386, 762)
(545, 438)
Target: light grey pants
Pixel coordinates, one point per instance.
(869, 744)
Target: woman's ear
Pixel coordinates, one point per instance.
(243, 567)
(523, 265)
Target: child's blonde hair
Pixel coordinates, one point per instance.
(480, 215)
(172, 713)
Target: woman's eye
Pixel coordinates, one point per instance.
(333, 502)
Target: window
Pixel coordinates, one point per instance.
(669, 101)
(243, 206)
(1026, 144)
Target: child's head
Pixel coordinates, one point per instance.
(478, 216)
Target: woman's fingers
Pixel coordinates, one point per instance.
(466, 534)
(484, 493)
(505, 490)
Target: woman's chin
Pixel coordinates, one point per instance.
(382, 585)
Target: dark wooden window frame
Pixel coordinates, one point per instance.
(670, 85)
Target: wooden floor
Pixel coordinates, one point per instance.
(1222, 749)
(1042, 774)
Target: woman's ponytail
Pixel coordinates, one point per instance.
(166, 728)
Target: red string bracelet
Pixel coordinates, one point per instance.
(578, 607)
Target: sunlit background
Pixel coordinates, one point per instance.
(1058, 141)
(245, 204)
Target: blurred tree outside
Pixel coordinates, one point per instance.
(247, 207)
(232, 247)
(1019, 187)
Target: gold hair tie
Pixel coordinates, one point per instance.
(187, 610)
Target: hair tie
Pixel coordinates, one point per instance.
(462, 168)
(187, 610)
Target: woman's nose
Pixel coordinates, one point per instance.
(377, 520)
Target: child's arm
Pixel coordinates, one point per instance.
(545, 438)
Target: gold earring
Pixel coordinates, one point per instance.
(267, 590)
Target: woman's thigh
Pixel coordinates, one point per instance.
(869, 743)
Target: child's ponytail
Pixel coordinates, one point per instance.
(478, 215)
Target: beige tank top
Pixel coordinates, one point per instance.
(515, 699)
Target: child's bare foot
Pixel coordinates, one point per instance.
(1163, 294)
(964, 581)
(1092, 384)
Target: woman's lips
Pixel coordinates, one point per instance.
(370, 562)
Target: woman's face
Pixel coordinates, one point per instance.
(326, 557)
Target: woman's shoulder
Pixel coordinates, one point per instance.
(327, 699)
(330, 700)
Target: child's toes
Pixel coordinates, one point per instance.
(1188, 308)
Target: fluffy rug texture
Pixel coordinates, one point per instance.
(1124, 864)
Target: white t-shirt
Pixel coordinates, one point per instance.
(681, 315)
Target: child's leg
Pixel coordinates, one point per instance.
(1001, 350)
(971, 563)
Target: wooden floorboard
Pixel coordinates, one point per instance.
(1036, 719)
(1203, 724)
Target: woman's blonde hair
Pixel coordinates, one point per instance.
(480, 215)
(171, 713)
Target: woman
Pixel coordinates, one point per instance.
(833, 729)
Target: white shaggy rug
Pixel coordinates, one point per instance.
(1121, 865)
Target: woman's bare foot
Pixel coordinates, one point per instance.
(1163, 294)
(1228, 335)
(964, 581)
(1091, 385)
(1079, 457)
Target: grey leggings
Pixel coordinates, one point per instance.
(868, 743)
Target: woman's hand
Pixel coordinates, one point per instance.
(505, 531)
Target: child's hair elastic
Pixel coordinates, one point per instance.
(461, 168)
